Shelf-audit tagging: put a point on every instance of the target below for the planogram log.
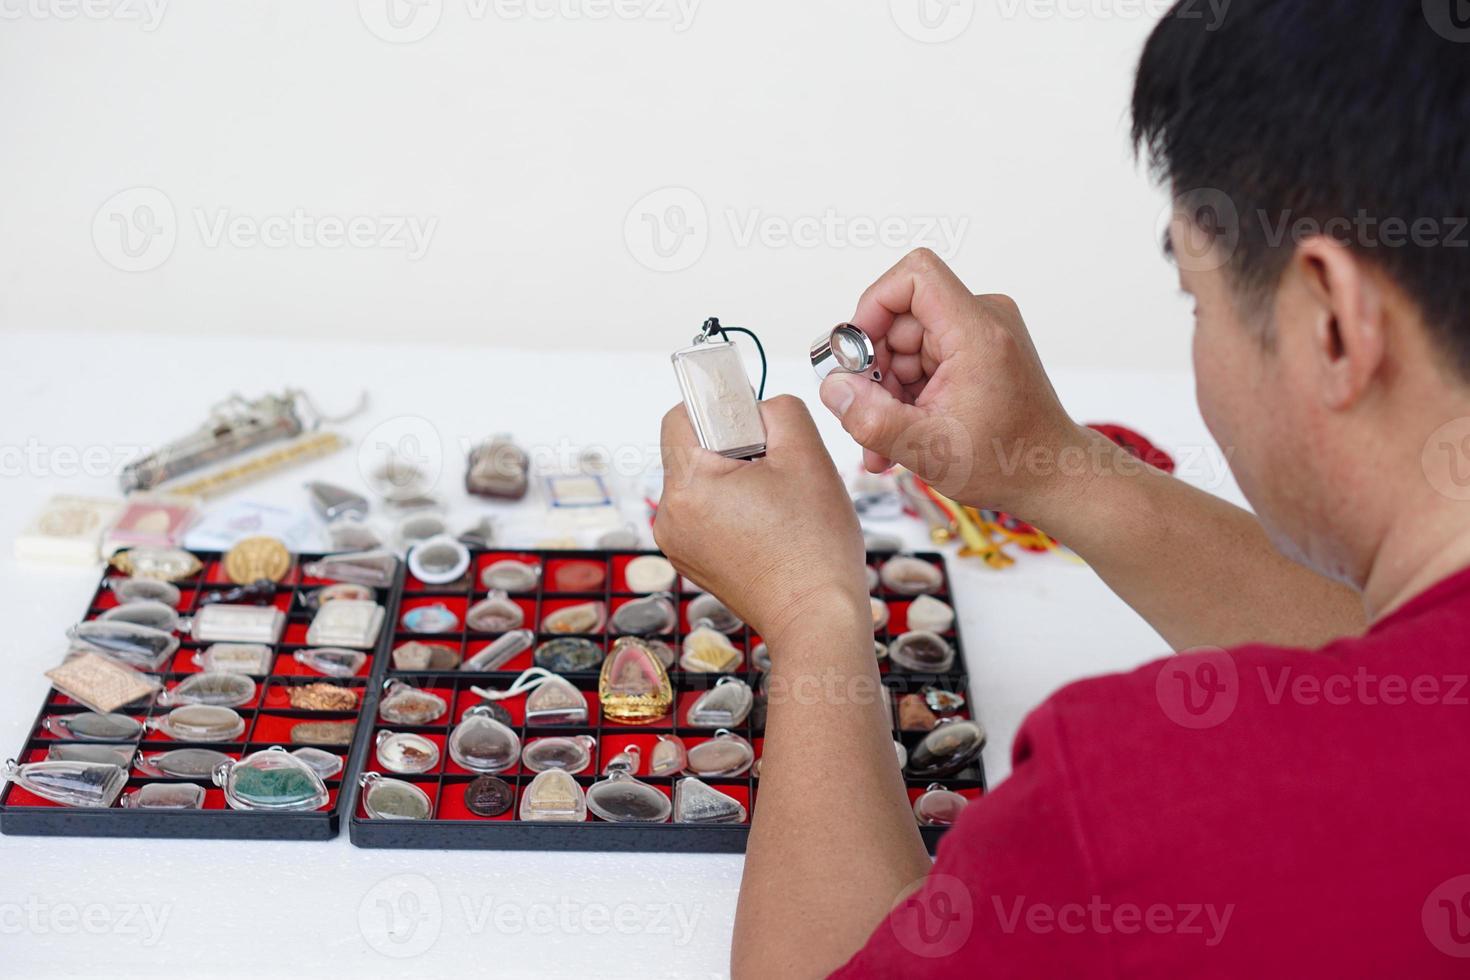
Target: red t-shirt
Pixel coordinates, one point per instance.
(1264, 812)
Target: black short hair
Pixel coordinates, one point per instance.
(1351, 117)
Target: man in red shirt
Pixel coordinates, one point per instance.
(1289, 800)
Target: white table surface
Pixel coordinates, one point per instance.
(124, 908)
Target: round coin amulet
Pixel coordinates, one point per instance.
(922, 652)
(404, 704)
(938, 807)
(393, 799)
(479, 743)
(184, 763)
(439, 560)
(510, 575)
(140, 589)
(950, 747)
(160, 564)
(95, 726)
(253, 559)
(165, 796)
(406, 752)
(567, 654)
(584, 617)
(488, 796)
(223, 688)
(907, 575)
(716, 613)
(200, 723)
(433, 618)
(880, 613)
(622, 799)
(324, 764)
(145, 612)
(641, 617)
(727, 754)
(650, 573)
(570, 752)
(495, 613)
(578, 576)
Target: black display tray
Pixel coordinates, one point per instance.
(268, 719)
(454, 827)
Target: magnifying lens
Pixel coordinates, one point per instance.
(847, 349)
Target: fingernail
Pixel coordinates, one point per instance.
(837, 394)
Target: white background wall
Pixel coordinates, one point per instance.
(146, 147)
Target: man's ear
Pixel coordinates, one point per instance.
(1346, 305)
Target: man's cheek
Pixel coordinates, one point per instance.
(1207, 393)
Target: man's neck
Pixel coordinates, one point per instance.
(1427, 542)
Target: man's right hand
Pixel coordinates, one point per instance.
(964, 402)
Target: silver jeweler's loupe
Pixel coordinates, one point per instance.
(847, 349)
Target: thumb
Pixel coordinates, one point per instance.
(870, 413)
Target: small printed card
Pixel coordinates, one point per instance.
(151, 520)
(99, 683)
(68, 529)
